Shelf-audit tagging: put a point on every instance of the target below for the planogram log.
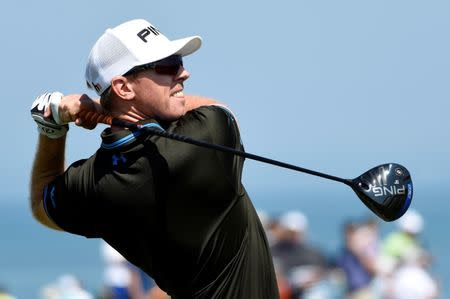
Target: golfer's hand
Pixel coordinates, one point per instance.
(40, 112)
(53, 111)
(71, 105)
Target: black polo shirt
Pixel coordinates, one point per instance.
(176, 210)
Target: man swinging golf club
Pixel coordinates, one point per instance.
(177, 211)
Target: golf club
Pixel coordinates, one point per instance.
(386, 189)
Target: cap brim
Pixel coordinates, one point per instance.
(183, 47)
(186, 46)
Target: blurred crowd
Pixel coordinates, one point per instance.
(121, 280)
(368, 266)
(397, 266)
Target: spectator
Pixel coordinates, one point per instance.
(284, 286)
(117, 275)
(123, 280)
(302, 264)
(357, 262)
(405, 238)
(142, 286)
(267, 221)
(412, 280)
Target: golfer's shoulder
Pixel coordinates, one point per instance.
(216, 114)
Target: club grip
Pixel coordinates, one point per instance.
(95, 117)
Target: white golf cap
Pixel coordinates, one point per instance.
(130, 44)
(294, 221)
(411, 222)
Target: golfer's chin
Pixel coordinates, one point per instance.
(177, 109)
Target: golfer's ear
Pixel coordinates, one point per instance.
(122, 87)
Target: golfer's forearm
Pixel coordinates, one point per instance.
(48, 164)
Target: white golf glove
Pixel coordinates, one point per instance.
(51, 126)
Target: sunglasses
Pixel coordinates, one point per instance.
(167, 66)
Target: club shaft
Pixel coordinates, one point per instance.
(159, 132)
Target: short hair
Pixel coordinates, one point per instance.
(106, 99)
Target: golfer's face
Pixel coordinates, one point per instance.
(161, 95)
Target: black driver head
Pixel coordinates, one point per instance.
(386, 189)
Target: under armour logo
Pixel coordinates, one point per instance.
(118, 158)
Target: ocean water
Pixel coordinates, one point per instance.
(32, 256)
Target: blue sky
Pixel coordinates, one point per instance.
(335, 86)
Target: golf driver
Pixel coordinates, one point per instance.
(386, 189)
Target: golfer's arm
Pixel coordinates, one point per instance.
(193, 102)
(48, 164)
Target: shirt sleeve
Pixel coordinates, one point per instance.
(215, 124)
(67, 203)
(210, 124)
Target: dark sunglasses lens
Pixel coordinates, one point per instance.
(167, 69)
(169, 66)
(171, 60)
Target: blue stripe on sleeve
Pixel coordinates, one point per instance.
(129, 137)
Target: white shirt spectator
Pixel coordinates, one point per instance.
(413, 281)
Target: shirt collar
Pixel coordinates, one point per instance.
(121, 138)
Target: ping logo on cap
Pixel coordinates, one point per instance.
(146, 32)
